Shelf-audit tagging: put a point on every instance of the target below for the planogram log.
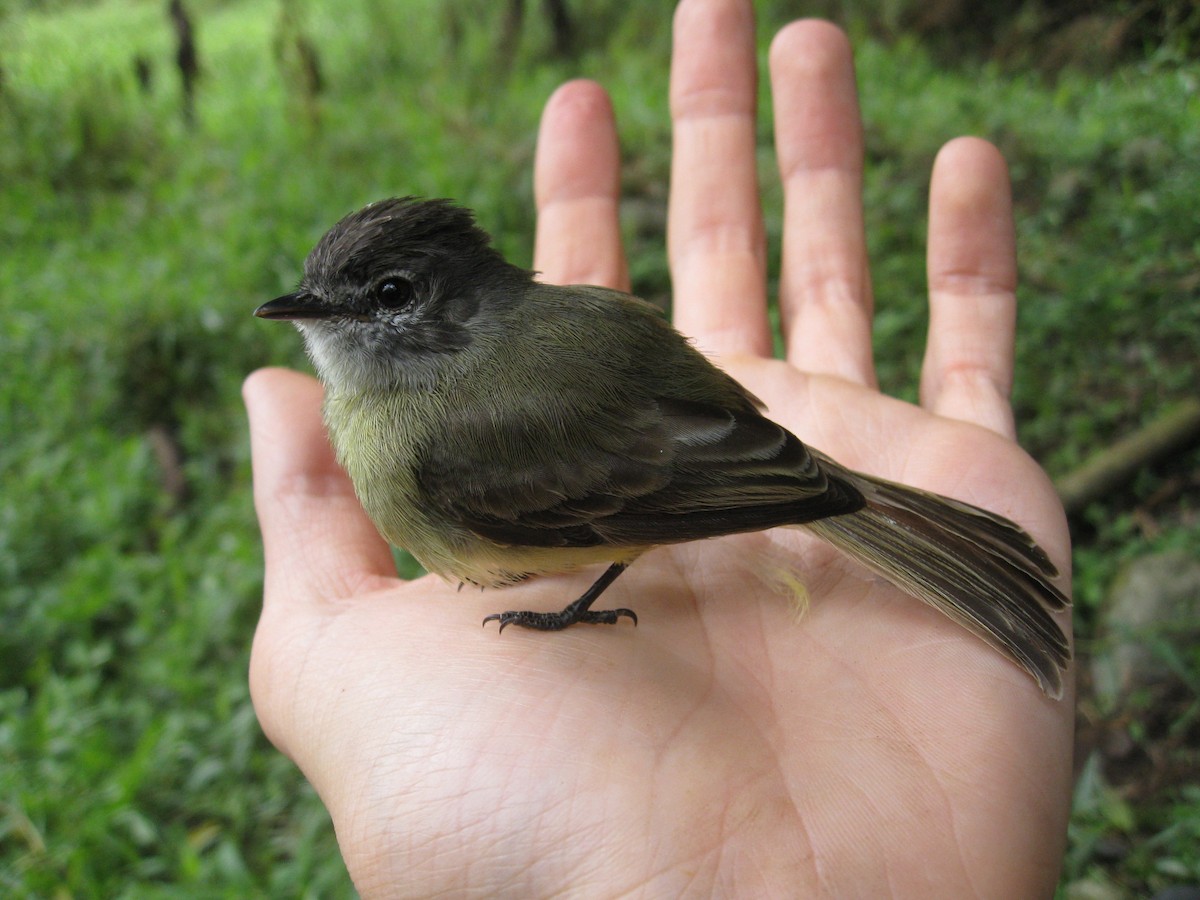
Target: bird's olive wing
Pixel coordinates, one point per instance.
(668, 471)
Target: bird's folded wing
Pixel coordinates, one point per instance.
(666, 471)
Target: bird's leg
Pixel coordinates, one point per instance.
(574, 612)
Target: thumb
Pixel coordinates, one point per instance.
(317, 541)
(320, 547)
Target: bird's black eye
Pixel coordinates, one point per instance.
(394, 292)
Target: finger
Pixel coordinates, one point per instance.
(968, 368)
(715, 236)
(576, 177)
(825, 288)
(317, 540)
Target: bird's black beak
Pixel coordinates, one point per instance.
(297, 305)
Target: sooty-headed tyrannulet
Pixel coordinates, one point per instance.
(496, 428)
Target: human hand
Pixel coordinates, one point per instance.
(722, 747)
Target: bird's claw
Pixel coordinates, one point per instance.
(544, 621)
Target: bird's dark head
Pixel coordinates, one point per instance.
(392, 287)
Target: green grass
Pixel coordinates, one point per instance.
(134, 251)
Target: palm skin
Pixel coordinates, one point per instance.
(726, 746)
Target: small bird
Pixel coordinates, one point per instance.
(498, 428)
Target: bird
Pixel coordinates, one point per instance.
(499, 428)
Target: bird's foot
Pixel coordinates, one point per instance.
(577, 611)
(546, 621)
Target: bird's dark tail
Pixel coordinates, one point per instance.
(980, 569)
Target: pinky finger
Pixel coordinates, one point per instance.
(968, 367)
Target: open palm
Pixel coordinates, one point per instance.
(732, 743)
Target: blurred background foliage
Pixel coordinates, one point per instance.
(138, 232)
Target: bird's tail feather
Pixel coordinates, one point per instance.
(980, 569)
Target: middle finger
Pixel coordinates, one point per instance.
(716, 239)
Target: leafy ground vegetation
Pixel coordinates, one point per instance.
(133, 248)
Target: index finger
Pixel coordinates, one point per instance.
(577, 190)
